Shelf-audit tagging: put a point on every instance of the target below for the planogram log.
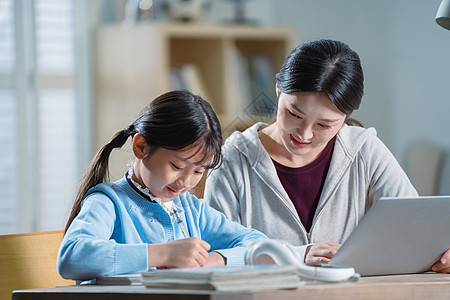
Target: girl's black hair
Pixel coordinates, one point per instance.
(325, 66)
(175, 120)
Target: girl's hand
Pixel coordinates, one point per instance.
(443, 264)
(190, 252)
(321, 253)
(215, 259)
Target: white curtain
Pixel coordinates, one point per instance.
(38, 114)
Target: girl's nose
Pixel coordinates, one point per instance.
(184, 181)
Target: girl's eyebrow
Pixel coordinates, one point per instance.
(303, 113)
(198, 163)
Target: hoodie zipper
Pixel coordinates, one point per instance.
(295, 216)
(323, 207)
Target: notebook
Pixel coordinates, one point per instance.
(398, 236)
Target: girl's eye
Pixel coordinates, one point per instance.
(294, 115)
(175, 166)
(199, 172)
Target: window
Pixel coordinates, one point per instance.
(38, 113)
(8, 117)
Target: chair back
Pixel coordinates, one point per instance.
(424, 161)
(444, 175)
(28, 261)
(199, 189)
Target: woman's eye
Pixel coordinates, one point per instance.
(175, 166)
(294, 115)
(199, 172)
(325, 126)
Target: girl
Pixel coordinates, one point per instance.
(309, 177)
(148, 219)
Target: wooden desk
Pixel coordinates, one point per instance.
(413, 286)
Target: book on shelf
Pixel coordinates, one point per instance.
(224, 278)
(263, 100)
(237, 74)
(189, 77)
(252, 79)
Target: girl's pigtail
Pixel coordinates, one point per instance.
(97, 171)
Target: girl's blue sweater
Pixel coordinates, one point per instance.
(111, 233)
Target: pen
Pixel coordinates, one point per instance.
(180, 223)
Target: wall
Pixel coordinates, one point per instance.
(422, 64)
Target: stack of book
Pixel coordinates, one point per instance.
(224, 278)
(125, 279)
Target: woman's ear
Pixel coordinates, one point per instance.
(277, 89)
(140, 147)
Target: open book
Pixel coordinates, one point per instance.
(224, 278)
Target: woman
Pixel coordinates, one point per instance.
(310, 176)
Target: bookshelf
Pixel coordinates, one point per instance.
(136, 64)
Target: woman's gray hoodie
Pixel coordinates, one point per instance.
(247, 190)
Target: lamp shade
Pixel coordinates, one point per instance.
(443, 14)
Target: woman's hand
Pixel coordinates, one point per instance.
(443, 264)
(321, 253)
(190, 252)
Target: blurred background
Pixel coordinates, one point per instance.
(74, 72)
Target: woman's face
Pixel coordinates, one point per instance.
(306, 122)
(169, 173)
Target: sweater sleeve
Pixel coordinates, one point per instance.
(87, 250)
(387, 178)
(228, 238)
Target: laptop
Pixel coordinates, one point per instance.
(398, 236)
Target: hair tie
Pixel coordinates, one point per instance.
(129, 130)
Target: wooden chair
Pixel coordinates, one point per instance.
(28, 260)
(199, 189)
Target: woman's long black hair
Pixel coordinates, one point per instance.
(175, 120)
(325, 66)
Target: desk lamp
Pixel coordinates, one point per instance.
(443, 14)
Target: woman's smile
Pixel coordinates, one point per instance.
(299, 144)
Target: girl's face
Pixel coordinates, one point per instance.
(167, 173)
(306, 122)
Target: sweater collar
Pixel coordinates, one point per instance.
(143, 192)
